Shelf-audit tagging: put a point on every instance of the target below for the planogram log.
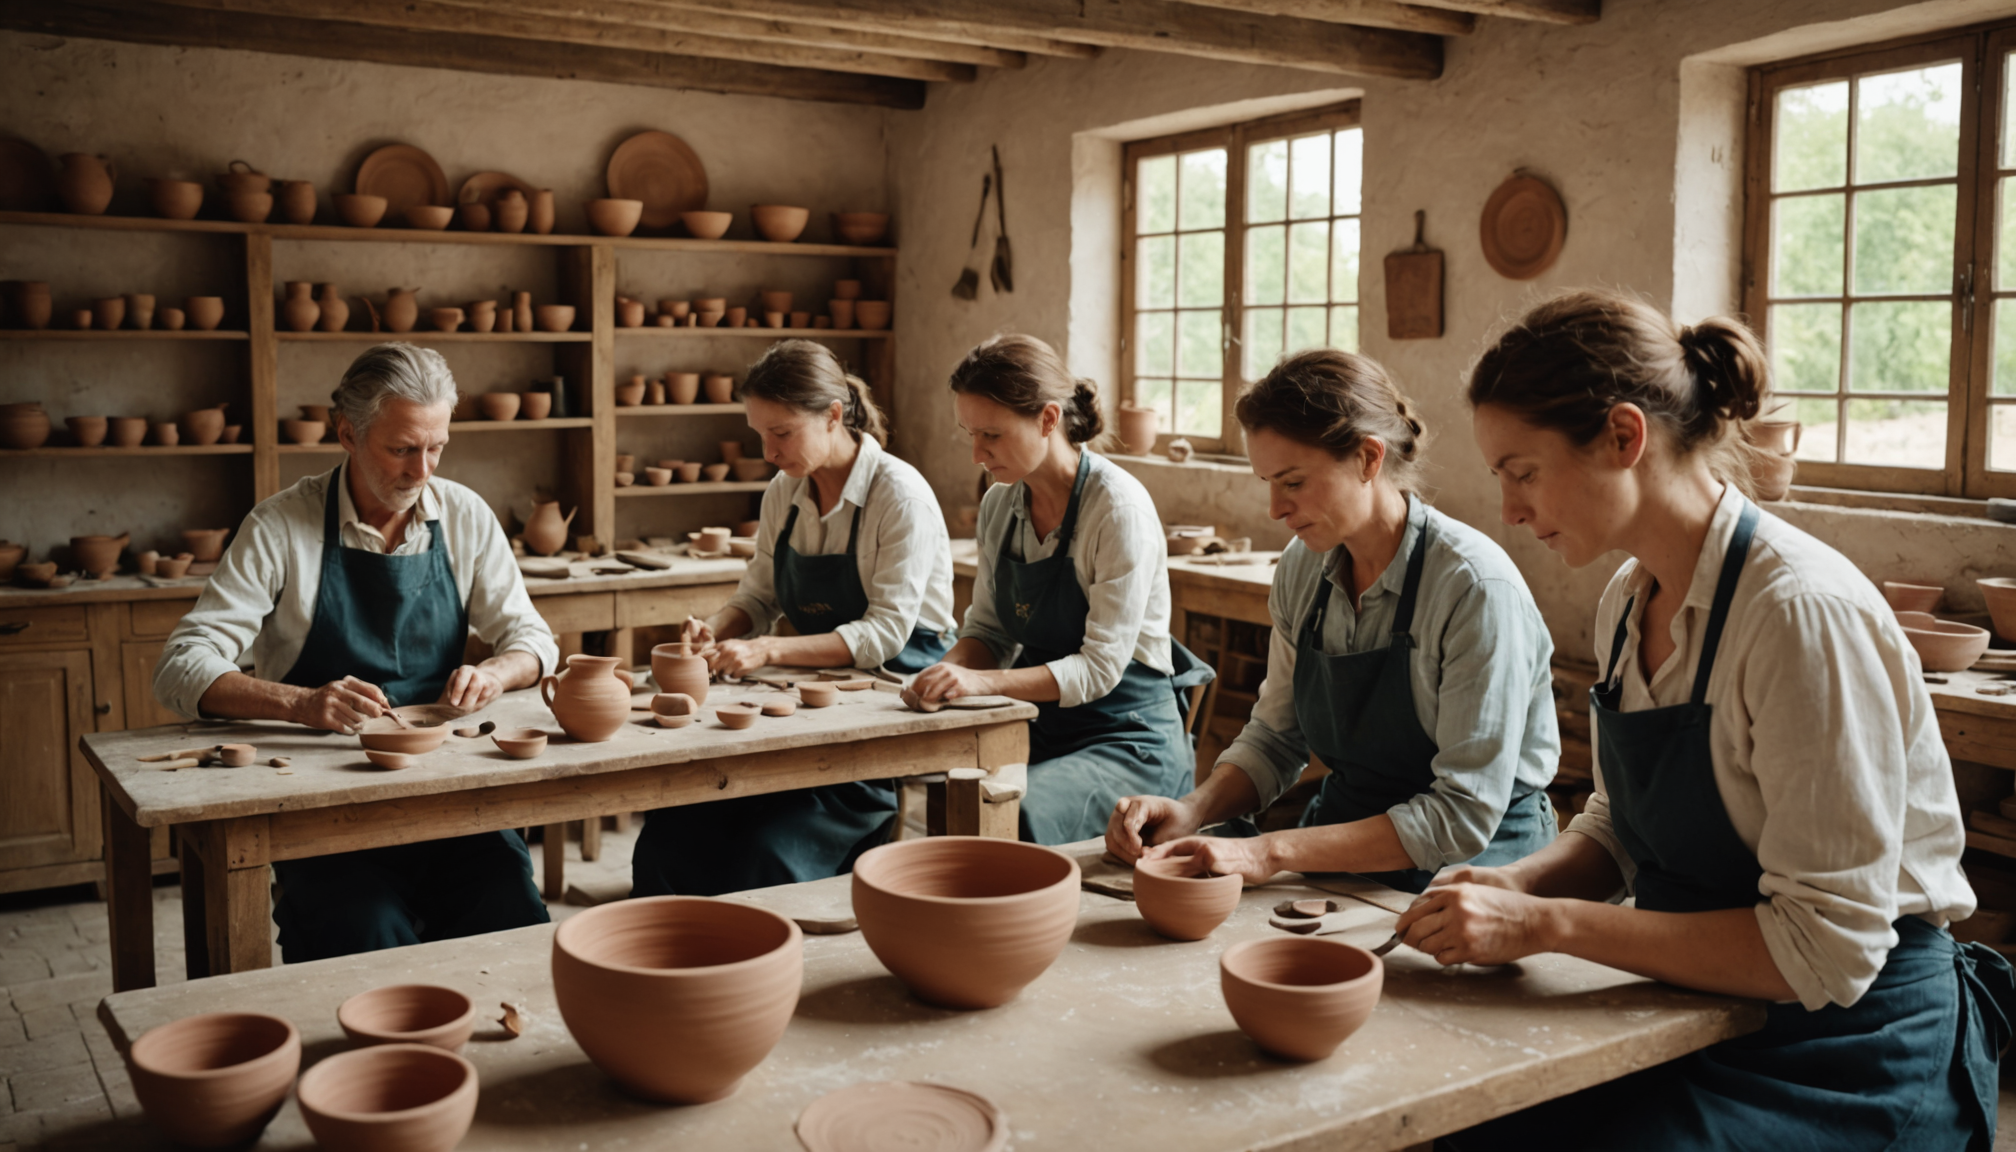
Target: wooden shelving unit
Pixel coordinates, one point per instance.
(69, 334)
(699, 488)
(759, 333)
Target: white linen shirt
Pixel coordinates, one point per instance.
(1120, 555)
(905, 554)
(1826, 751)
(261, 600)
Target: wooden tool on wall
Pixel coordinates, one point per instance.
(1414, 289)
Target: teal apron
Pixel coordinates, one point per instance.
(782, 837)
(1356, 712)
(1910, 1065)
(1082, 760)
(397, 622)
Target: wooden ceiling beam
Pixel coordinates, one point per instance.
(1367, 13)
(431, 16)
(1543, 11)
(1003, 39)
(145, 22)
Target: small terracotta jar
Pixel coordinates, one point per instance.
(298, 310)
(82, 319)
(682, 387)
(360, 211)
(139, 311)
(239, 176)
(335, 310)
(541, 215)
(511, 211)
(297, 201)
(630, 314)
(85, 183)
(98, 556)
(536, 405)
(203, 426)
(402, 309)
(842, 312)
(630, 393)
(107, 314)
(1138, 426)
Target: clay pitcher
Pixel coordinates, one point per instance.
(677, 669)
(591, 699)
(546, 531)
(85, 183)
(521, 310)
(299, 310)
(511, 211)
(402, 309)
(541, 214)
(335, 310)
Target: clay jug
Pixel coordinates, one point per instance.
(402, 309)
(591, 699)
(677, 669)
(1137, 428)
(521, 310)
(335, 311)
(98, 556)
(541, 215)
(546, 531)
(297, 204)
(85, 183)
(510, 212)
(299, 310)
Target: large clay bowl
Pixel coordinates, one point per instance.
(1298, 997)
(614, 217)
(707, 225)
(779, 223)
(1912, 597)
(2000, 593)
(1179, 905)
(389, 1098)
(409, 1014)
(677, 997)
(214, 1081)
(966, 921)
(360, 211)
(411, 741)
(206, 545)
(1943, 646)
(97, 555)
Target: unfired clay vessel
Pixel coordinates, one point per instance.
(298, 309)
(2000, 593)
(402, 309)
(1298, 997)
(500, 405)
(175, 199)
(203, 426)
(409, 1014)
(335, 309)
(360, 211)
(126, 431)
(98, 556)
(546, 530)
(389, 1098)
(88, 431)
(205, 544)
(1912, 597)
(510, 211)
(520, 743)
(707, 225)
(1180, 906)
(675, 668)
(214, 1081)
(1943, 645)
(817, 695)
(85, 183)
(591, 699)
(540, 219)
(677, 997)
(1137, 428)
(205, 312)
(614, 217)
(779, 223)
(966, 921)
(737, 716)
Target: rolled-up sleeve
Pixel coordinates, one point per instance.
(997, 519)
(909, 539)
(500, 609)
(1270, 749)
(213, 637)
(1127, 552)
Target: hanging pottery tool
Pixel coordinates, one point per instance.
(969, 280)
(1003, 272)
(1414, 289)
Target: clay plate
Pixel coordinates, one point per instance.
(662, 171)
(27, 179)
(902, 1114)
(1523, 228)
(406, 177)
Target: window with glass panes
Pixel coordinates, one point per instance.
(1875, 265)
(1241, 247)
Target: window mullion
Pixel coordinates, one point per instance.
(1233, 317)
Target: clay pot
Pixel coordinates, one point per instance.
(445, 319)
(359, 211)
(779, 706)
(391, 761)
(714, 472)
(720, 388)
(409, 1014)
(872, 315)
(631, 393)
(1943, 646)
(521, 310)
(88, 431)
(684, 387)
(546, 530)
(172, 319)
(737, 716)
(842, 312)
(205, 544)
(861, 227)
(315, 412)
(204, 426)
(37, 575)
(298, 309)
(847, 289)
(385, 735)
(778, 223)
(139, 311)
(80, 319)
(475, 217)
(705, 317)
(673, 709)
(1182, 906)
(535, 405)
(1138, 426)
(731, 451)
(33, 304)
(555, 317)
(735, 318)
(675, 669)
(750, 471)
(482, 315)
(216, 1080)
(1771, 474)
(540, 219)
(205, 312)
(677, 309)
(389, 1098)
(231, 432)
(146, 563)
(239, 176)
(429, 217)
(614, 217)
(773, 319)
(174, 567)
(500, 405)
(85, 183)
(108, 313)
(334, 309)
(248, 207)
(167, 435)
(510, 212)
(1780, 437)
(175, 199)
(654, 393)
(2000, 593)
(707, 225)
(817, 694)
(98, 556)
(520, 743)
(775, 300)
(625, 478)
(626, 461)
(657, 477)
(1912, 597)
(591, 699)
(402, 309)
(677, 997)
(1298, 997)
(297, 201)
(304, 431)
(126, 431)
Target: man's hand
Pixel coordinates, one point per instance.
(471, 687)
(1251, 857)
(737, 657)
(1138, 821)
(341, 705)
(941, 682)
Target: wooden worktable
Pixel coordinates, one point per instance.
(1124, 1044)
(233, 822)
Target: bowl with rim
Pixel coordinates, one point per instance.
(1943, 645)
(408, 1097)
(520, 743)
(214, 1080)
(409, 1014)
(1299, 997)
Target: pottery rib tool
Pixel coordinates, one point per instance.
(968, 286)
(1003, 271)
(176, 755)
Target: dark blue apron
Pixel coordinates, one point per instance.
(1082, 760)
(1356, 712)
(397, 622)
(782, 837)
(1910, 1065)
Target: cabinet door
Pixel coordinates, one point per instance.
(137, 659)
(48, 795)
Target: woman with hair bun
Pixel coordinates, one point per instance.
(852, 550)
(1771, 785)
(1071, 602)
(1407, 656)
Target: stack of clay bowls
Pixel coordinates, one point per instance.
(216, 1080)
(1180, 904)
(966, 921)
(24, 425)
(1298, 997)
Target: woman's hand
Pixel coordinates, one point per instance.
(1138, 821)
(1477, 921)
(1249, 857)
(737, 657)
(942, 681)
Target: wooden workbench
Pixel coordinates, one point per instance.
(232, 823)
(1124, 1044)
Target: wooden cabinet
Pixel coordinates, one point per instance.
(48, 796)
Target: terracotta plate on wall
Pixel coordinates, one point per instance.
(1523, 228)
(902, 1114)
(484, 187)
(406, 177)
(662, 171)
(27, 179)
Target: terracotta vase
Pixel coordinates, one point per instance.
(33, 306)
(482, 315)
(1138, 426)
(546, 530)
(409, 1014)
(630, 314)
(297, 201)
(540, 219)
(674, 668)
(108, 313)
(389, 1098)
(402, 309)
(2000, 593)
(720, 388)
(147, 562)
(1771, 473)
(677, 997)
(360, 211)
(139, 311)
(126, 431)
(335, 310)
(298, 309)
(521, 310)
(966, 921)
(203, 426)
(591, 699)
(778, 223)
(98, 556)
(510, 212)
(206, 545)
(1180, 906)
(84, 182)
(216, 1080)
(24, 427)
(1298, 997)
(205, 312)
(87, 431)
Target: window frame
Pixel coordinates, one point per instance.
(1235, 139)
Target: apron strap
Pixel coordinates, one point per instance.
(1617, 643)
(1069, 527)
(1725, 592)
(1403, 616)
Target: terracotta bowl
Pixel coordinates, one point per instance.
(714, 472)
(205, 544)
(779, 223)
(630, 394)
(1913, 597)
(410, 741)
(248, 207)
(315, 412)
(202, 426)
(674, 709)
(2000, 592)
(500, 405)
(88, 431)
(360, 211)
(38, 575)
(657, 477)
(872, 315)
(966, 921)
(554, 317)
(749, 471)
(737, 715)
(391, 761)
(1943, 646)
(176, 199)
(304, 431)
(816, 695)
(97, 555)
(175, 567)
(707, 225)
(409, 1014)
(689, 472)
(429, 217)
(861, 227)
(214, 1081)
(126, 431)
(1298, 997)
(205, 312)
(26, 429)
(614, 217)
(708, 317)
(677, 997)
(1179, 905)
(445, 319)
(775, 300)
(409, 1097)
(520, 743)
(625, 479)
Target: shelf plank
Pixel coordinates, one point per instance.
(427, 337)
(142, 450)
(1985, 841)
(546, 425)
(118, 334)
(772, 333)
(678, 410)
(701, 488)
(302, 449)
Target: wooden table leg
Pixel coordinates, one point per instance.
(236, 908)
(591, 838)
(195, 939)
(556, 861)
(129, 897)
(987, 800)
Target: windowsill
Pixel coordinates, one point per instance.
(1208, 462)
(1901, 502)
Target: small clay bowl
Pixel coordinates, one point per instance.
(215, 1080)
(818, 695)
(737, 715)
(535, 405)
(173, 568)
(429, 217)
(304, 431)
(614, 217)
(554, 317)
(689, 472)
(779, 223)
(1912, 597)
(408, 741)
(409, 1014)
(674, 709)
(391, 761)
(1180, 905)
(714, 472)
(625, 479)
(500, 405)
(88, 431)
(237, 755)
(1298, 997)
(707, 225)
(445, 319)
(520, 743)
(657, 477)
(410, 1097)
(779, 706)
(360, 211)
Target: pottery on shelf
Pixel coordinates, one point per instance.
(215, 1080)
(88, 431)
(1298, 997)
(402, 309)
(521, 311)
(591, 698)
(630, 393)
(389, 1098)
(676, 998)
(614, 217)
(546, 530)
(248, 207)
(126, 431)
(842, 313)
(139, 311)
(41, 575)
(657, 477)
(736, 317)
(1943, 645)
(674, 668)
(231, 432)
(965, 921)
(1912, 597)
(540, 218)
(175, 199)
(720, 388)
(475, 215)
(520, 743)
(11, 555)
(535, 405)
(500, 405)
(749, 471)
(510, 212)
(2000, 593)
(84, 182)
(630, 313)
(714, 473)
(707, 225)
(1179, 905)
(872, 315)
(555, 317)
(205, 312)
(304, 431)
(166, 434)
(360, 211)
(445, 319)
(98, 556)
(239, 176)
(862, 228)
(706, 317)
(204, 426)
(298, 309)
(24, 426)
(171, 319)
(429, 217)
(779, 223)
(205, 544)
(108, 313)
(684, 387)
(482, 315)
(409, 1014)
(1138, 426)
(80, 319)
(688, 471)
(33, 304)
(297, 201)
(737, 716)
(775, 300)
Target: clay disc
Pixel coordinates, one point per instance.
(27, 179)
(406, 177)
(1523, 228)
(877, 1116)
(661, 170)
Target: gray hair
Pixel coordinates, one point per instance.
(406, 371)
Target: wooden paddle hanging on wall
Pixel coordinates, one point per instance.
(1414, 289)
